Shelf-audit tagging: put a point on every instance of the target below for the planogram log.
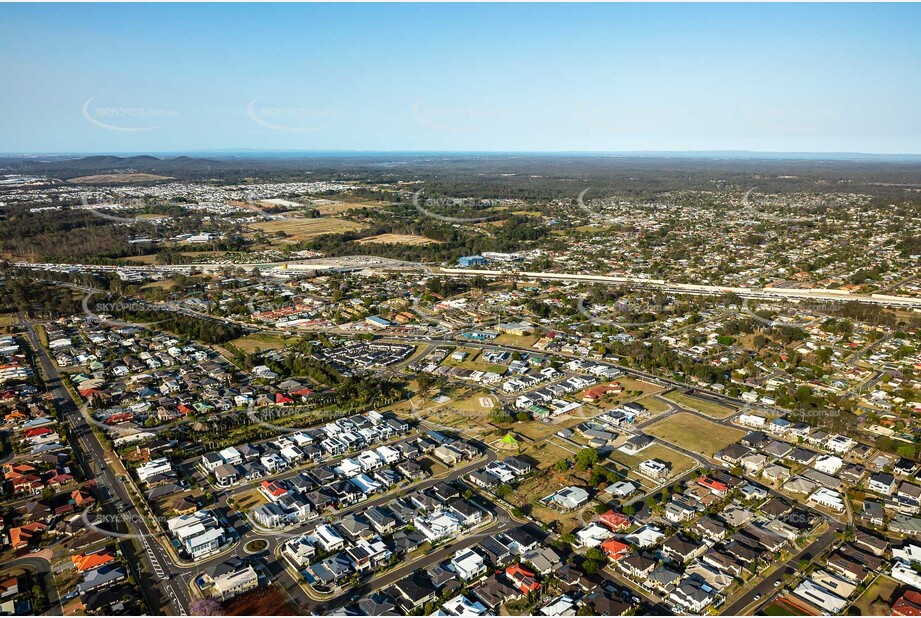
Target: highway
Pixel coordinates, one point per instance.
(907, 302)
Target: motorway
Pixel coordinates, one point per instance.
(907, 302)
(364, 262)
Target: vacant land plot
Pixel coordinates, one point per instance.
(529, 493)
(704, 406)
(115, 178)
(694, 433)
(302, 229)
(631, 384)
(248, 500)
(782, 607)
(399, 239)
(521, 341)
(877, 599)
(261, 341)
(263, 601)
(653, 404)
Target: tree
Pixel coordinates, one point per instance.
(586, 458)
(206, 607)
(591, 567)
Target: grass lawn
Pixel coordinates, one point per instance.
(694, 433)
(883, 588)
(261, 341)
(779, 608)
(249, 500)
(653, 404)
(631, 384)
(302, 229)
(700, 405)
(399, 239)
(521, 341)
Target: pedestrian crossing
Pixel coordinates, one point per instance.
(158, 570)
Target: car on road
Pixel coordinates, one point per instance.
(757, 597)
(777, 583)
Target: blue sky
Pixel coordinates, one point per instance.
(525, 77)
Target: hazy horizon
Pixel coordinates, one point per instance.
(600, 78)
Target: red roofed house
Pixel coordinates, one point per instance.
(713, 485)
(909, 604)
(34, 432)
(614, 549)
(273, 491)
(597, 392)
(82, 497)
(184, 409)
(615, 521)
(85, 562)
(522, 579)
(21, 537)
(282, 398)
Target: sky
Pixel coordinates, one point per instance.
(83, 78)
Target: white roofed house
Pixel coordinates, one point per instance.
(468, 564)
(568, 498)
(328, 539)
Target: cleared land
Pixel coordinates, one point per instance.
(704, 406)
(335, 208)
(399, 239)
(261, 341)
(877, 599)
(302, 229)
(115, 178)
(694, 433)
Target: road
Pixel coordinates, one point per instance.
(40, 562)
(908, 302)
(790, 568)
(114, 496)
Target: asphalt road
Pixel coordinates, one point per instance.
(92, 457)
(766, 588)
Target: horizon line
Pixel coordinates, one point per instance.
(372, 152)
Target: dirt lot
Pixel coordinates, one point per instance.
(264, 601)
(694, 433)
(302, 229)
(116, 178)
(877, 599)
(703, 406)
(261, 341)
(399, 239)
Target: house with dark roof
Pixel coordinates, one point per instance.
(493, 593)
(496, 552)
